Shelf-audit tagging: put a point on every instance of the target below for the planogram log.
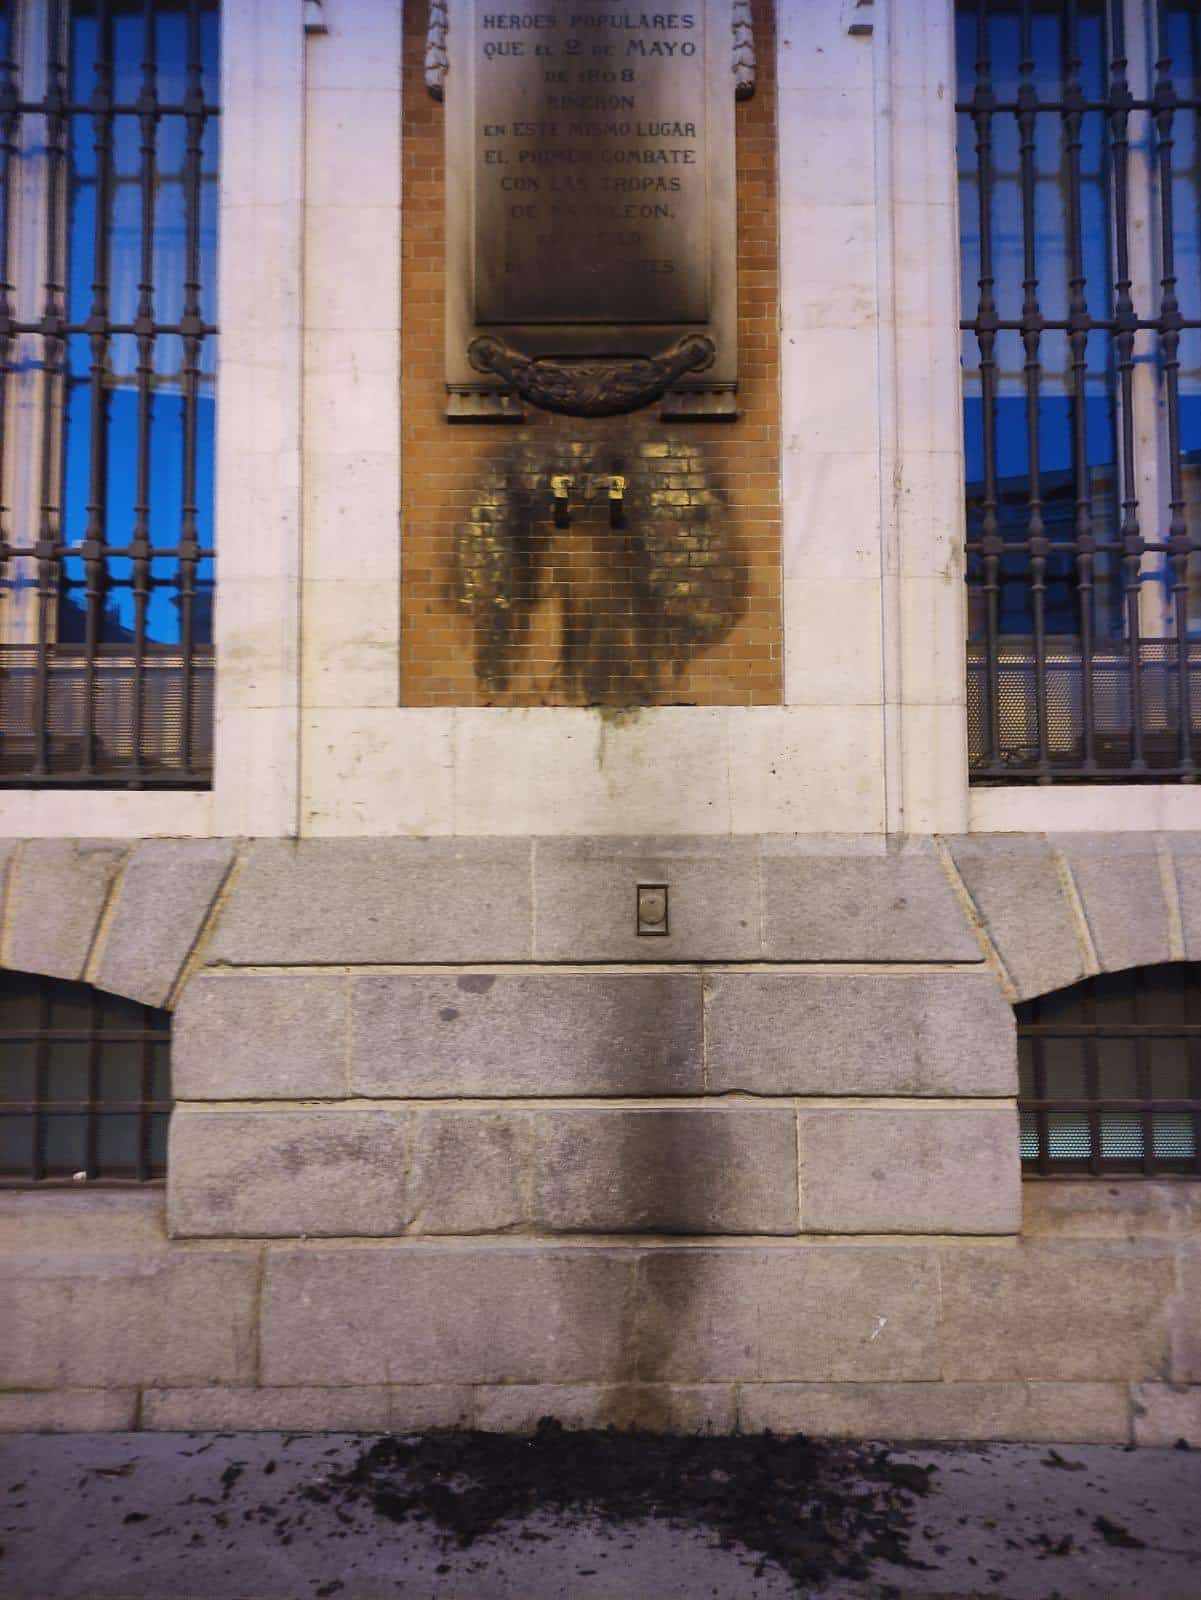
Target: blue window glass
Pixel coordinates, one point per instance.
(141, 246)
(1044, 229)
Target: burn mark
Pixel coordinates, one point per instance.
(602, 611)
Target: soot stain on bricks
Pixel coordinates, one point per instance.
(589, 593)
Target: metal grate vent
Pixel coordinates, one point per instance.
(1110, 1076)
(85, 1084)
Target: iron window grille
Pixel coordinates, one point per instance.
(108, 197)
(1110, 1076)
(85, 1084)
(1080, 217)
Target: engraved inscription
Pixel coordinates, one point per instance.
(590, 178)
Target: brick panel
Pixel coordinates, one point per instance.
(679, 607)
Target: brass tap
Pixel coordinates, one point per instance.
(561, 484)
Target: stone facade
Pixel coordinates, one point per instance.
(764, 1177)
(452, 1141)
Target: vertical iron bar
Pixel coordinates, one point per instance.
(41, 1077)
(1092, 1080)
(91, 1127)
(991, 544)
(1164, 107)
(1040, 1094)
(148, 115)
(143, 1157)
(1032, 329)
(96, 535)
(1078, 325)
(47, 548)
(1143, 1067)
(191, 328)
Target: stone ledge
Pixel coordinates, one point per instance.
(39, 1222)
(374, 1409)
(1071, 1413)
(462, 900)
(68, 1410)
(658, 1407)
(1082, 1209)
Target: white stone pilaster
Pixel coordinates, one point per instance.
(259, 461)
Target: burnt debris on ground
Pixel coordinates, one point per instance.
(818, 1510)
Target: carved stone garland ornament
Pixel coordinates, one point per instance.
(602, 388)
(436, 61)
(596, 388)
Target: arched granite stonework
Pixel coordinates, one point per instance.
(425, 1090)
(125, 917)
(1057, 908)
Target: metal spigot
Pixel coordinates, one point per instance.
(617, 491)
(560, 486)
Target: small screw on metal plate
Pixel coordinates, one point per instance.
(652, 911)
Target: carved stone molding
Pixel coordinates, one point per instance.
(744, 50)
(436, 61)
(743, 61)
(591, 388)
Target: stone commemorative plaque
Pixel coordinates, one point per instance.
(590, 207)
(590, 201)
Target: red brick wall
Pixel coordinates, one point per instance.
(679, 607)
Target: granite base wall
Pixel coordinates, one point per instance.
(1085, 1327)
(454, 1144)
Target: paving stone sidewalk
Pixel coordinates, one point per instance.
(148, 1516)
